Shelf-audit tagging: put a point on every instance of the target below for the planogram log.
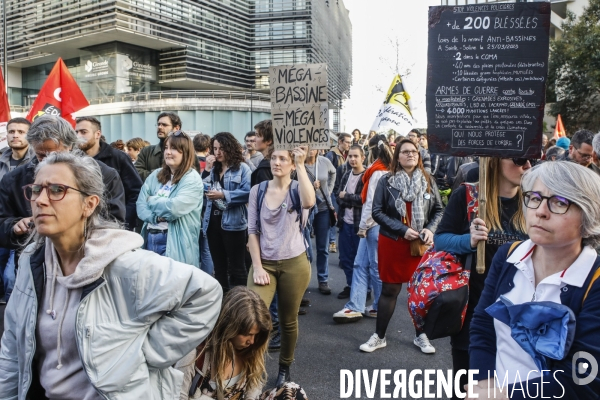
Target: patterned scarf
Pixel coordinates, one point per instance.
(411, 190)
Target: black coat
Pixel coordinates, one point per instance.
(386, 215)
(132, 183)
(14, 207)
(261, 173)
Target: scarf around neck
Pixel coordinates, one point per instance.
(411, 190)
(376, 166)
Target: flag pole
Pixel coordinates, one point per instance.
(4, 45)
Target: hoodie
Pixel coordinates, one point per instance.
(60, 368)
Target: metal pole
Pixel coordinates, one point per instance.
(4, 46)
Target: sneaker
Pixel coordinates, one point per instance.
(324, 288)
(332, 247)
(370, 312)
(373, 344)
(344, 294)
(302, 311)
(275, 342)
(346, 315)
(422, 342)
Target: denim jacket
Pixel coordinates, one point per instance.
(237, 192)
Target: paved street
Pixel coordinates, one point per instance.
(324, 347)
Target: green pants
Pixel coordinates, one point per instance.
(290, 279)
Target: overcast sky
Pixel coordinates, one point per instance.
(376, 27)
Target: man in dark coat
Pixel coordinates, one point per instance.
(89, 129)
(46, 135)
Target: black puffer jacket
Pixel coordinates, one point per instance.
(386, 215)
(14, 207)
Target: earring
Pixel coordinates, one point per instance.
(85, 229)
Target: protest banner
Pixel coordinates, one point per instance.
(395, 112)
(486, 78)
(486, 84)
(299, 108)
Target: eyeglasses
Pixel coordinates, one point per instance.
(583, 155)
(556, 204)
(162, 125)
(522, 161)
(409, 153)
(55, 191)
(180, 133)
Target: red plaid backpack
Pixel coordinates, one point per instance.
(438, 292)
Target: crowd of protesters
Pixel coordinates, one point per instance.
(140, 263)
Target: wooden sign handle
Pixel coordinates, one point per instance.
(483, 177)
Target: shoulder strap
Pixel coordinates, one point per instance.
(594, 277)
(295, 196)
(260, 196)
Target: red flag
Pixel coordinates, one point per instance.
(4, 107)
(4, 113)
(559, 129)
(60, 95)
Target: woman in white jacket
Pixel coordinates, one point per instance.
(93, 316)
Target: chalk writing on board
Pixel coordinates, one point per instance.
(487, 69)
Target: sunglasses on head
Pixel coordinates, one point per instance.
(522, 161)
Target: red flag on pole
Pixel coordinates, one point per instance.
(4, 112)
(559, 130)
(60, 95)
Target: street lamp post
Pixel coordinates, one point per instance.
(4, 45)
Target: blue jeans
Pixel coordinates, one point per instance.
(206, 262)
(157, 242)
(321, 226)
(348, 246)
(365, 271)
(333, 229)
(7, 272)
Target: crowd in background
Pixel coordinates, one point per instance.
(124, 251)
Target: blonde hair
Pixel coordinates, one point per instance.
(493, 212)
(242, 310)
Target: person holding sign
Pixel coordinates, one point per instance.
(504, 223)
(408, 207)
(278, 213)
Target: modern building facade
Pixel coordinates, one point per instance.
(204, 58)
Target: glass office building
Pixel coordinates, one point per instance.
(209, 58)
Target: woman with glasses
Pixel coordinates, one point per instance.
(170, 203)
(459, 233)
(92, 315)
(551, 273)
(226, 215)
(407, 206)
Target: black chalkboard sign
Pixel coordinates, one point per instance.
(486, 78)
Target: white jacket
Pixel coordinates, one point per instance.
(143, 314)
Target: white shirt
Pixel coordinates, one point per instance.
(510, 357)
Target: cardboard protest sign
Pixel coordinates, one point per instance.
(299, 108)
(486, 78)
(395, 112)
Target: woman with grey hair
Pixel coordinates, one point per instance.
(92, 315)
(540, 307)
